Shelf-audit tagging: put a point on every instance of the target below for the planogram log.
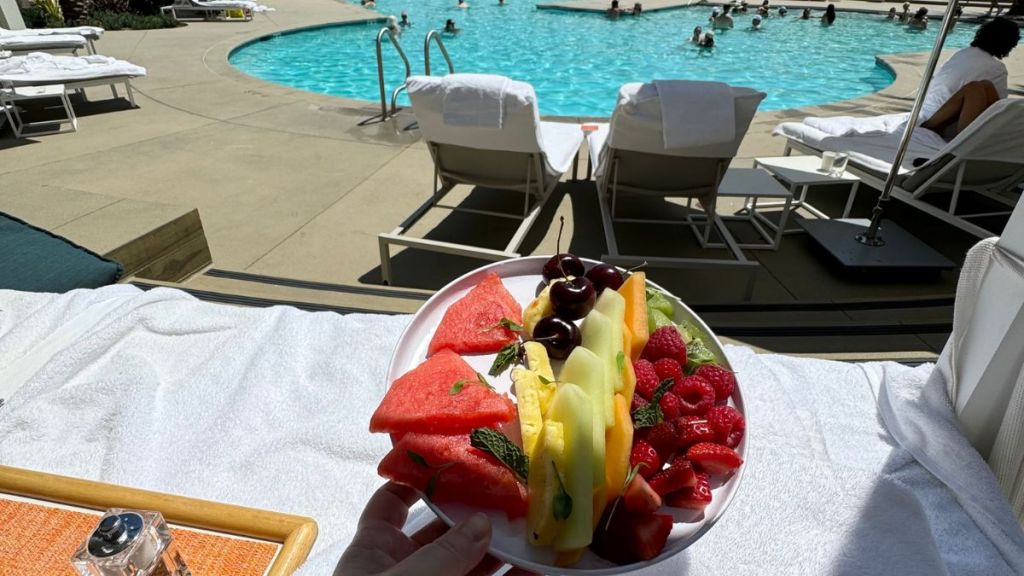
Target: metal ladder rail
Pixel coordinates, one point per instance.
(436, 36)
(380, 72)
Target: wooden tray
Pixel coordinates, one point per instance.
(44, 518)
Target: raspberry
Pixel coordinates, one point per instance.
(714, 458)
(671, 407)
(677, 476)
(645, 455)
(665, 342)
(664, 440)
(728, 425)
(723, 380)
(638, 403)
(695, 394)
(668, 368)
(691, 430)
(646, 378)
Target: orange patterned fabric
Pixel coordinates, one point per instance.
(38, 540)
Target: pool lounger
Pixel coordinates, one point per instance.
(49, 43)
(987, 159)
(222, 8)
(630, 157)
(74, 72)
(90, 33)
(494, 138)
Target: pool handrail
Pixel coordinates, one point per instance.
(380, 72)
(436, 36)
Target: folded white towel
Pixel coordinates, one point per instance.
(696, 113)
(40, 42)
(244, 4)
(40, 67)
(854, 126)
(475, 100)
(87, 31)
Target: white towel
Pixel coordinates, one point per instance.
(40, 42)
(696, 113)
(853, 126)
(269, 408)
(473, 100)
(40, 67)
(244, 4)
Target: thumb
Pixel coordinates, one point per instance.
(454, 554)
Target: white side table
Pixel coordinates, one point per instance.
(754, 185)
(803, 172)
(9, 97)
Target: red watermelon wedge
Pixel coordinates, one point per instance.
(470, 326)
(463, 473)
(443, 395)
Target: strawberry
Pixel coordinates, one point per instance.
(671, 406)
(665, 342)
(645, 455)
(646, 378)
(714, 458)
(728, 425)
(663, 438)
(677, 476)
(723, 380)
(626, 537)
(692, 429)
(640, 497)
(696, 497)
(695, 394)
(669, 368)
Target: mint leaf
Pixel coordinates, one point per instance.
(650, 414)
(561, 506)
(432, 481)
(510, 354)
(484, 382)
(457, 387)
(629, 478)
(417, 458)
(620, 360)
(506, 324)
(494, 442)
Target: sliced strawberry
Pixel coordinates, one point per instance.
(714, 458)
(647, 457)
(691, 430)
(696, 395)
(640, 497)
(629, 536)
(664, 439)
(697, 497)
(728, 424)
(677, 476)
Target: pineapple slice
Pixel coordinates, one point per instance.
(540, 307)
(543, 485)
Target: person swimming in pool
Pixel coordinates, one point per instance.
(806, 14)
(638, 9)
(905, 15)
(755, 22)
(614, 11)
(892, 14)
(783, 11)
(919, 20)
(714, 14)
(368, 3)
(724, 20)
(742, 8)
(708, 41)
(404, 22)
(698, 35)
(829, 17)
(462, 4)
(450, 28)
(393, 27)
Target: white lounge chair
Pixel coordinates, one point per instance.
(987, 159)
(631, 158)
(74, 72)
(214, 8)
(90, 33)
(43, 43)
(498, 143)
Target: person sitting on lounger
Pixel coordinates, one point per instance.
(806, 14)
(971, 81)
(905, 15)
(404, 22)
(724, 20)
(829, 16)
(450, 28)
(755, 22)
(698, 35)
(892, 14)
(919, 20)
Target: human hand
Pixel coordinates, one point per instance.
(380, 548)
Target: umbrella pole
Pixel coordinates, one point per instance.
(870, 237)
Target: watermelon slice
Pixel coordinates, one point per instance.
(460, 473)
(470, 326)
(443, 395)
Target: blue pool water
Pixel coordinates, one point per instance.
(577, 61)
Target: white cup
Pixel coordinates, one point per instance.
(828, 159)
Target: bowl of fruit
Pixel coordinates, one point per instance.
(589, 412)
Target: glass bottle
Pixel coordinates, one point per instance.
(129, 543)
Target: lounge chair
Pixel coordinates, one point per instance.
(484, 130)
(630, 157)
(214, 8)
(74, 72)
(43, 43)
(90, 33)
(987, 159)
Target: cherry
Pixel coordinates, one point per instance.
(573, 299)
(559, 336)
(562, 265)
(605, 276)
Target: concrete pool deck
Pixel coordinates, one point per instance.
(288, 184)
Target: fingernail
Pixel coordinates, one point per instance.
(478, 526)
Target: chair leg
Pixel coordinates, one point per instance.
(385, 261)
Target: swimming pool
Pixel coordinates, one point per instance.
(577, 61)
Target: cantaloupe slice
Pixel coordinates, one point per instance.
(618, 443)
(634, 290)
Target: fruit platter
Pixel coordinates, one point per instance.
(588, 412)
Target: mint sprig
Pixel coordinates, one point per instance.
(510, 354)
(497, 444)
(650, 415)
(561, 506)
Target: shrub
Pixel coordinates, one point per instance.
(115, 6)
(128, 21)
(53, 16)
(147, 7)
(34, 17)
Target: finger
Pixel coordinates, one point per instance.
(389, 504)
(430, 532)
(453, 554)
(489, 565)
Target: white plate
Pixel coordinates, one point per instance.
(523, 280)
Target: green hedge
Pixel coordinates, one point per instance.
(128, 21)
